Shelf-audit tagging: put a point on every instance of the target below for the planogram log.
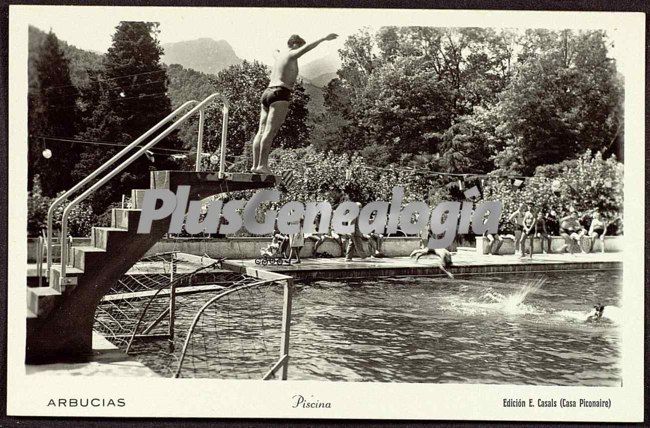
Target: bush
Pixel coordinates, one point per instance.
(81, 218)
(322, 176)
(37, 206)
(587, 183)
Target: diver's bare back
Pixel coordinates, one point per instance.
(285, 70)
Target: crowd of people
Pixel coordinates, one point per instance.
(580, 231)
(353, 244)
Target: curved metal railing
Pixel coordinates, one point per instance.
(66, 212)
(199, 313)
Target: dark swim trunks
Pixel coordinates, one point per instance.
(273, 94)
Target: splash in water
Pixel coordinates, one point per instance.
(514, 303)
(493, 301)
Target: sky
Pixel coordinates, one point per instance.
(255, 33)
(252, 34)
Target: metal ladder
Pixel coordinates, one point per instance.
(198, 107)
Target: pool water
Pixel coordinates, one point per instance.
(468, 330)
(510, 329)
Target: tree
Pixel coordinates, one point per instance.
(52, 116)
(124, 100)
(566, 98)
(243, 85)
(404, 87)
(470, 144)
(186, 84)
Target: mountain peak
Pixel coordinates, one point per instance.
(204, 54)
(321, 70)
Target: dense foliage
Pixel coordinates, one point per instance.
(408, 101)
(586, 183)
(52, 112)
(477, 99)
(82, 218)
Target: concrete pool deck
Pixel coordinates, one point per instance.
(464, 263)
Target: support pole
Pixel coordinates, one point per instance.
(224, 135)
(172, 301)
(286, 327)
(199, 141)
(39, 260)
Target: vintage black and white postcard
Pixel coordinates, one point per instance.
(326, 213)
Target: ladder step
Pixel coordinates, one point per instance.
(83, 256)
(41, 299)
(100, 236)
(127, 219)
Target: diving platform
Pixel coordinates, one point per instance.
(60, 313)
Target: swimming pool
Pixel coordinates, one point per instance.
(494, 329)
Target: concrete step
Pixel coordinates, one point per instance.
(102, 236)
(126, 219)
(87, 256)
(72, 274)
(41, 300)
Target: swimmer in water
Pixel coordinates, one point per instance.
(598, 313)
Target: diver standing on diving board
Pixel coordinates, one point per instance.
(275, 99)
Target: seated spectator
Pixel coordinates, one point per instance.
(505, 232)
(320, 238)
(615, 226)
(571, 230)
(597, 230)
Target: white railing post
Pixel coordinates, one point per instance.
(224, 138)
(199, 141)
(39, 259)
(286, 327)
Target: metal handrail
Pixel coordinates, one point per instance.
(199, 107)
(102, 168)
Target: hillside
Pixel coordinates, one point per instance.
(204, 55)
(185, 82)
(80, 60)
(322, 80)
